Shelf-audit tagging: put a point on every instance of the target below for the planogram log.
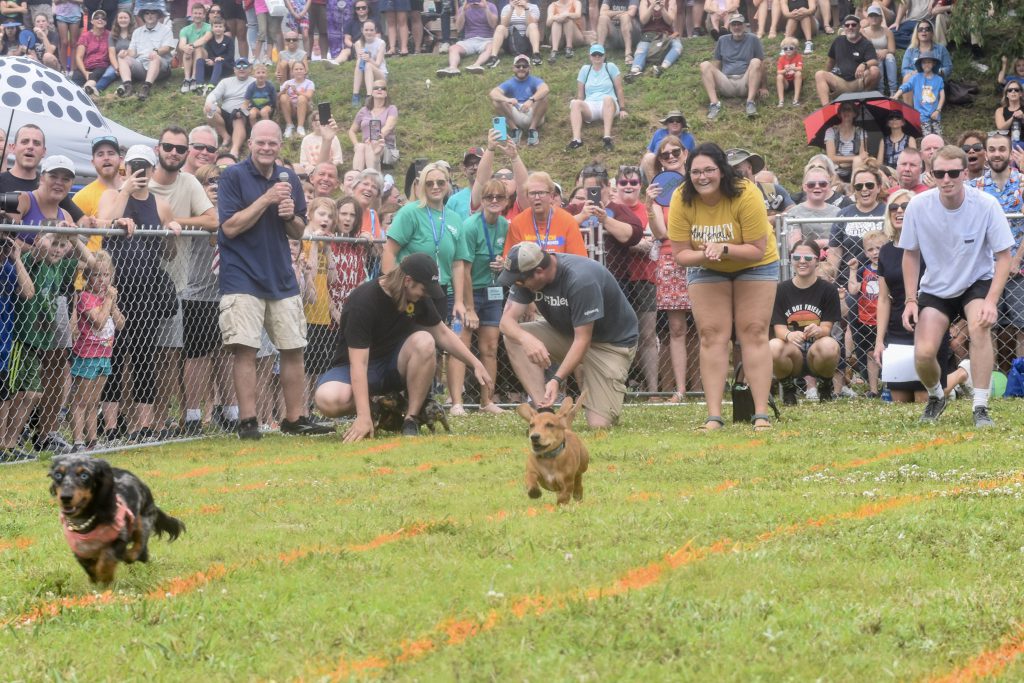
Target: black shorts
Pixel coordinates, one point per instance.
(232, 10)
(230, 116)
(319, 348)
(200, 321)
(955, 308)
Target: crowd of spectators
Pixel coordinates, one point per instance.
(142, 324)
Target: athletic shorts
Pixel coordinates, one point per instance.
(90, 368)
(955, 307)
(200, 333)
(23, 369)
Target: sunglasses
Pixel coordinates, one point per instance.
(952, 173)
(431, 184)
(864, 186)
(671, 154)
(893, 208)
(495, 197)
(1012, 90)
(595, 172)
(1004, 133)
(180, 149)
(291, 40)
(632, 182)
(788, 49)
(806, 258)
(505, 175)
(851, 25)
(199, 147)
(522, 65)
(816, 184)
(924, 29)
(105, 138)
(361, 8)
(976, 147)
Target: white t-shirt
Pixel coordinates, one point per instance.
(958, 246)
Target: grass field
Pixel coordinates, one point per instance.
(848, 544)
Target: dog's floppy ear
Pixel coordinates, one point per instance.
(104, 480)
(569, 408)
(526, 411)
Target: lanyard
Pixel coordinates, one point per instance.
(373, 224)
(547, 232)
(487, 236)
(434, 231)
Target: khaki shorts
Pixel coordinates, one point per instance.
(839, 86)
(243, 317)
(730, 86)
(605, 367)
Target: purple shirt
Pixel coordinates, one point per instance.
(475, 24)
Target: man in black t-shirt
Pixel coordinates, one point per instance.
(387, 341)
(852, 63)
(29, 149)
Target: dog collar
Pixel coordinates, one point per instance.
(553, 454)
(88, 544)
(81, 528)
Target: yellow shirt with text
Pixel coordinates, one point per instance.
(740, 220)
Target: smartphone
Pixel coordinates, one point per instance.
(594, 195)
(323, 110)
(136, 165)
(374, 129)
(498, 123)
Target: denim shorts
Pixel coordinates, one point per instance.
(382, 374)
(489, 312)
(90, 368)
(696, 275)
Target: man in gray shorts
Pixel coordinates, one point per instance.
(150, 51)
(588, 324)
(736, 69)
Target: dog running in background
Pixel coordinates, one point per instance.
(388, 412)
(557, 458)
(107, 514)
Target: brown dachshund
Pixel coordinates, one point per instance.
(107, 514)
(558, 458)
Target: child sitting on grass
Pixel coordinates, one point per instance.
(98, 319)
(863, 284)
(260, 96)
(929, 93)
(789, 71)
(191, 40)
(219, 53)
(296, 94)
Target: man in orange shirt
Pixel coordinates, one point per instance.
(547, 224)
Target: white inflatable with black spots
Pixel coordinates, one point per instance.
(33, 93)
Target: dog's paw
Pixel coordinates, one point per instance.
(534, 493)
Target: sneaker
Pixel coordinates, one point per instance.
(144, 92)
(410, 427)
(608, 145)
(16, 455)
(782, 103)
(533, 138)
(569, 52)
(825, 389)
(517, 136)
(443, 48)
(356, 100)
(982, 420)
(448, 71)
(808, 47)
(54, 442)
(143, 435)
(967, 384)
(475, 69)
(79, 447)
(300, 131)
(847, 392)
(553, 58)
(656, 71)
(457, 410)
(536, 60)
(90, 90)
(751, 108)
(192, 428)
(208, 88)
(186, 87)
(632, 75)
(289, 131)
(574, 144)
(124, 90)
(811, 394)
(303, 427)
(714, 110)
(249, 430)
(788, 392)
(492, 62)
(934, 409)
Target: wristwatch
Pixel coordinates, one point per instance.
(725, 249)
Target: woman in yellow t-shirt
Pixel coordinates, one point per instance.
(720, 232)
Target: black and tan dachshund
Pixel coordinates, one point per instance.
(107, 514)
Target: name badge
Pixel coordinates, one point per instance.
(495, 294)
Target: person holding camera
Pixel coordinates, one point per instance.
(29, 149)
(370, 67)
(373, 130)
(225, 106)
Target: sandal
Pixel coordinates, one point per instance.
(712, 419)
(677, 397)
(628, 59)
(761, 417)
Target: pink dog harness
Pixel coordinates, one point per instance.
(89, 544)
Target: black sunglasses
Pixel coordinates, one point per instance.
(952, 173)
(1012, 90)
(180, 149)
(976, 147)
(893, 208)
(199, 147)
(861, 186)
(671, 153)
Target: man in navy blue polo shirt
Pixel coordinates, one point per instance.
(261, 206)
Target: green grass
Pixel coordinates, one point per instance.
(441, 121)
(874, 549)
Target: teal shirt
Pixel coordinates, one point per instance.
(459, 203)
(414, 228)
(477, 232)
(191, 33)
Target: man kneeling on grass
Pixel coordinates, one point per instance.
(390, 332)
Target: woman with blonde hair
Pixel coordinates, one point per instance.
(373, 130)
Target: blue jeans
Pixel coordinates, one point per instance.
(108, 77)
(890, 74)
(640, 56)
(251, 31)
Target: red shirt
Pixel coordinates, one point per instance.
(96, 49)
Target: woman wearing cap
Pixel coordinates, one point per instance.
(92, 57)
(373, 130)
(882, 38)
(719, 229)
(146, 294)
(846, 144)
(424, 226)
(599, 97)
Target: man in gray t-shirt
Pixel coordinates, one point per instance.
(958, 231)
(588, 324)
(736, 68)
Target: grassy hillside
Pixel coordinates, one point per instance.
(452, 114)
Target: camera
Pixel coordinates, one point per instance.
(136, 165)
(9, 202)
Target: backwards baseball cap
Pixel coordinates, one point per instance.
(737, 18)
(98, 14)
(597, 49)
(242, 63)
(423, 270)
(57, 162)
(738, 156)
(473, 152)
(874, 10)
(105, 140)
(522, 259)
(142, 152)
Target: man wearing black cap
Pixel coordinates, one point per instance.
(387, 341)
(852, 64)
(588, 324)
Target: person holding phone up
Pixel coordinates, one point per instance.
(373, 130)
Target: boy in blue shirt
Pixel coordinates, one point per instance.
(929, 93)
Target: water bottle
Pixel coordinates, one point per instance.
(1015, 130)
(457, 325)
(362, 65)
(886, 394)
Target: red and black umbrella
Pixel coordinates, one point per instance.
(873, 113)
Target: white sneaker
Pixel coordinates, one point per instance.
(300, 131)
(808, 47)
(289, 131)
(443, 48)
(811, 394)
(847, 392)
